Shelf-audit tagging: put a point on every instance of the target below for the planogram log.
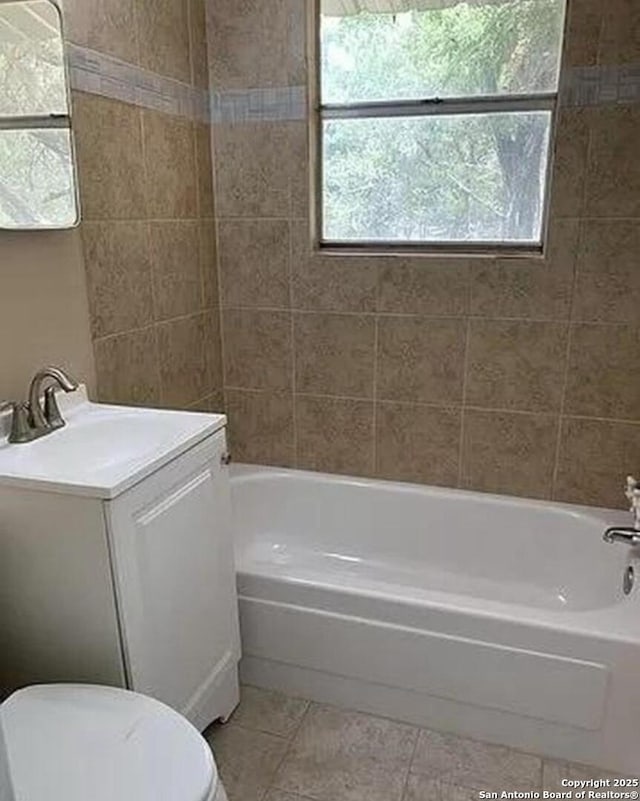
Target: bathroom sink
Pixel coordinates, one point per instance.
(103, 450)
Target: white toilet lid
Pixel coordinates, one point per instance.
(76, 742)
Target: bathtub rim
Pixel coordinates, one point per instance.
(616, 622)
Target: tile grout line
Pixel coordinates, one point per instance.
(465, 371)
(572, 300)
(272, 785)
(433, 317)
(376, 344)
(405, 786)
(447, 405)
(294, 372)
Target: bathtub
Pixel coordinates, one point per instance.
(495, 618)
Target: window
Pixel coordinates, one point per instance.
(435, 121)
(37, 171)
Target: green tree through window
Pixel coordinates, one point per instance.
(473, 176)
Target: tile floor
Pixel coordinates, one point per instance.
(278, 748)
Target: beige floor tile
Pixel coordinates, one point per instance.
(278, 795)
(422, 788)
(554, 772)
(268, 711)
(247, 760)
(474, 764)
(347, 756)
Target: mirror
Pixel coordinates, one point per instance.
(37, 165)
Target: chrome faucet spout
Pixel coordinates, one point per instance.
(623, 534)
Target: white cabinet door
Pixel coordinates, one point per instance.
(172, 553)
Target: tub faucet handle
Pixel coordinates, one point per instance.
(633, 495)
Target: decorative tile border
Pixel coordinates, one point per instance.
(101, 74)
(259, 105)
(601, 86)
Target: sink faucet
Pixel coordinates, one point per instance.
(30, 419)
(629, 535)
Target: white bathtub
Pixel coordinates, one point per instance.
(495, 618)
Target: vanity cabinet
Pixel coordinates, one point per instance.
(136, 591)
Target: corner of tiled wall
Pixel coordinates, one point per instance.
(511, 376)
(140, 111)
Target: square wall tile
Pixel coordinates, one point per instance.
(116, 256)
(258, 351)
(571, 147)
(608, 278)
(299, 184)
(604, 372)
(252, 169)
(516, 365)
(198, 43)
(104, 25)
(254, 262)
(418, 443)
(183, 361)
(596, 456)
(613, 170)
(322, 282)
(213, 348)
(110, 160)
(334, 354)
(170, 166)
(127, 369)
(509, 453)
(182, 358)
(334, 435)
(175, 257)
(420, 359)
(424, 286)
(535, 288)
(204, 165)
(620, 34)
(261, 432)
(583, 33)
(348, 756)
(250, 43)
(163, 34)
(208, 263)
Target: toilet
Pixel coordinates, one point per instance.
(65, 742)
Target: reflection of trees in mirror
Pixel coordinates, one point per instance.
(439, 178)
(37, 186)
(36, 178)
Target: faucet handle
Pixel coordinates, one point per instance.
(51, 410)
(21, 430)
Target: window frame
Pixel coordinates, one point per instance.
(319, 112)
(55, 121)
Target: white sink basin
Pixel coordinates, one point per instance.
(103, 450)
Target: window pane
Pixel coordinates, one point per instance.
(464, 49)
(36, 179)
(463, 178)
(32, 76)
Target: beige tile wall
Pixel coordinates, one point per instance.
(511, 376)
(148, 212)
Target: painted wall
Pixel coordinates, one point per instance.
(44, 316)
(510, 376)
